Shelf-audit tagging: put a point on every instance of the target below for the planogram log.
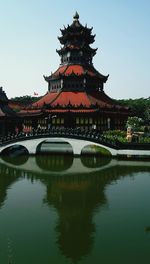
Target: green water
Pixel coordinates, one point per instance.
(62, 209)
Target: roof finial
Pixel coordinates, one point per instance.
(76, 16)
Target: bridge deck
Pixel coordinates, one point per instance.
(76, 135)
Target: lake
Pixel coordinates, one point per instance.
(63, 209)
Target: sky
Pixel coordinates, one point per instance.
(28, 43)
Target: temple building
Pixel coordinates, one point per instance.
(75, 96)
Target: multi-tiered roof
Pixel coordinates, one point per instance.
(76, 86)
(76, 83)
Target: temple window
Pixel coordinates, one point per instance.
(68, 54)
(77, 120)
(58, 120)
(86, 121)
(81, 121)
(90, 120)
(62, 121)
(53, 121)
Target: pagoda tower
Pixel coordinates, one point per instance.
(76, 71)
(76, 96)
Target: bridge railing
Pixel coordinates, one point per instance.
(93, 136)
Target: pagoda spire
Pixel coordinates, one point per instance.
(76, 16)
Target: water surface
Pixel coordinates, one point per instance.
(60, 209)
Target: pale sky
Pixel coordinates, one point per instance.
(28, 43)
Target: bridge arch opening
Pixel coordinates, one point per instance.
(14, 151)
(54, 146)
(92, 149)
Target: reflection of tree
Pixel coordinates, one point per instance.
(7, 177)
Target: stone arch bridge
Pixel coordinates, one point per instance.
(76, 138)
(31, 144)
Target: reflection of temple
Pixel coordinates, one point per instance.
(76, 197)
(54, 162)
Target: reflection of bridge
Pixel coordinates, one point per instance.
(77, 139)
(75, 165)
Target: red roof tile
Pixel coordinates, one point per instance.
(101, 99)
(79, 70)
(60, 70)
(75, 99)
(76, 69)
(98, 101)
(72, 98)
(46, 99)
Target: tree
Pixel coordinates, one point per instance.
(25, 100)
(134, 122)
(139, 107)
